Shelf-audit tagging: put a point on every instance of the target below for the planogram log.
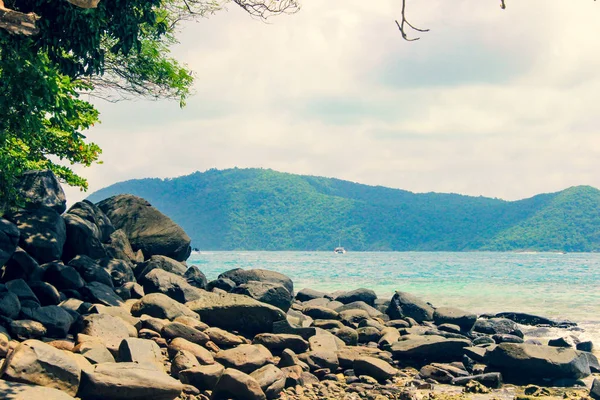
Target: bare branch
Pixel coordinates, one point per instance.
(263, 9)
(17, 22)
(404, 21)
(85, 3)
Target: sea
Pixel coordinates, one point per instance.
(554, 285)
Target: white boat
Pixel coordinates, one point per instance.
(339, 250)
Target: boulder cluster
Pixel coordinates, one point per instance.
(97, 303)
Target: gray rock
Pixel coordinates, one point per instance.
(9, 239)
(245, 358)
(320, 312)
(110, 330)
(40, 364)
(173, 285)
(224, 284)
(83, 235)
(353, 317)
(241, 276)
(95, 353)
(121, 271)
(203, 377)
(368, 334)
(276, 343)
(147, 228)
(21, 391)
(55, 319)
(497, 325)
(271, 293)
(528, 319)
(183, 360)
(142, 352)
(320, 359)
(358, 305)
(160, 262)
(96, 292)
(426, 349)
(236, 312)
(397, 323)
(159, 305)
(328, 324)
(349, 336)
(222, 338)
(483, 340)
(389, 336)
(45, 292)
(90, 270)
(406, 305)
(559, 342)
(375, 368)
(118, 246)
(42, 188)
(178, 330)
(43, 233)
(366, 295)
(195, 277)
(586, 345)
(595, 390)
(271, 380)
(20, 266)
(134, 382)
(10, 306)
(20, 288)
(525, 363)
(504, 338)
(309, 294)
(26, 329)
(238, 385)
(449, 315)
(62, 277)
(492, 380)
(203, 356)
(438, 374)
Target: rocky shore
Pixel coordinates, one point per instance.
(97, 303)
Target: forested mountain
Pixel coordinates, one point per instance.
(259, 209)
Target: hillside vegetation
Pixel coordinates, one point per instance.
(258, 209)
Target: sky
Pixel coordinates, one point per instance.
(499, 103)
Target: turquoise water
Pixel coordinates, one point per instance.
(563, 286)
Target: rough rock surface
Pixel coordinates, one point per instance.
(241, 276)
(406, 305)
(42, 188)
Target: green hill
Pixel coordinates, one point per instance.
(258, 209)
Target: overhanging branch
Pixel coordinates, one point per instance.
(17, 22)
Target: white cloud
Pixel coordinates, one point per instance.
(490, 102)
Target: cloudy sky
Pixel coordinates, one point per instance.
(490, 102)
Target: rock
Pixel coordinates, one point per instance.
(26, 329)
(62, 277)
(236, 312)
(55, 319)
(406, 305)
(320, 312)
(96, 292)
(159, 305)
(9, 239)
(121, 271)
(595, 390)
(223, 338)
(142, 352)
(450, 315)
(368, 334)
(21, 391)
(195, 277)
(397, 323)
(160, 262)
(328, 324)
(482, 340)
(222, 283)
(319, 359)
(476, 353)
(173, 285)
(276, 343)
(95, 353)
(491, 380)
(245, 358)
(194, 323)
(42, 188)
(110, 330)
(179, 330)
(389, 336)
(353, 317)
(271, 380)
(10, 306)
(497, 326)
(375, 368)
(118, 246)
(366, 295)
(183, 360)
(592, 361)
(134, 382)
(426, 349)
(504, 338)
(20, 266)
(288, 358)
(437, 374)
(349, 336)
(203, 356)
(241, 276)
(527, 319)
(90, 270)
(586, 345)
(40, 364)
(45, 292)
(203, 377)
(267, 292)
(309, 294)
(530, 363)
(558, 342)
(238, 385)
(358, 305)
(43, 233)
(135, 290)
(83, 235)
(324, 340)
(147, 228)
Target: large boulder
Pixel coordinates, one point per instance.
(236, 384)
(96, 292)
(83, 237)
(160, 262)
(62, 277)
(405, 305)
(431, 348)
(158, 305)
(121, 271)
(236, 312)
(366, 295)
(47, 294)
(495, 326)
(55, 319)
(374, 367)
(203, 377)
(142, 352)
(42, 188)
(271, 380)
(241, 276)
(40, 364)
(10, 306)
(90, 212)
(271, 293)
(245, 358)
(22, 391)
(9, 239)
(527, 363)
(108, 329)
(195, 277)
(118, 246)
(90, 270)
(20, 266)
(307, 294)
(449, 315)
(43, 233)
(127, 381)
(147, 228)
(22, 290)
(174, 286)
(277, 342)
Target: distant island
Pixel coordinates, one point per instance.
(262, 209)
